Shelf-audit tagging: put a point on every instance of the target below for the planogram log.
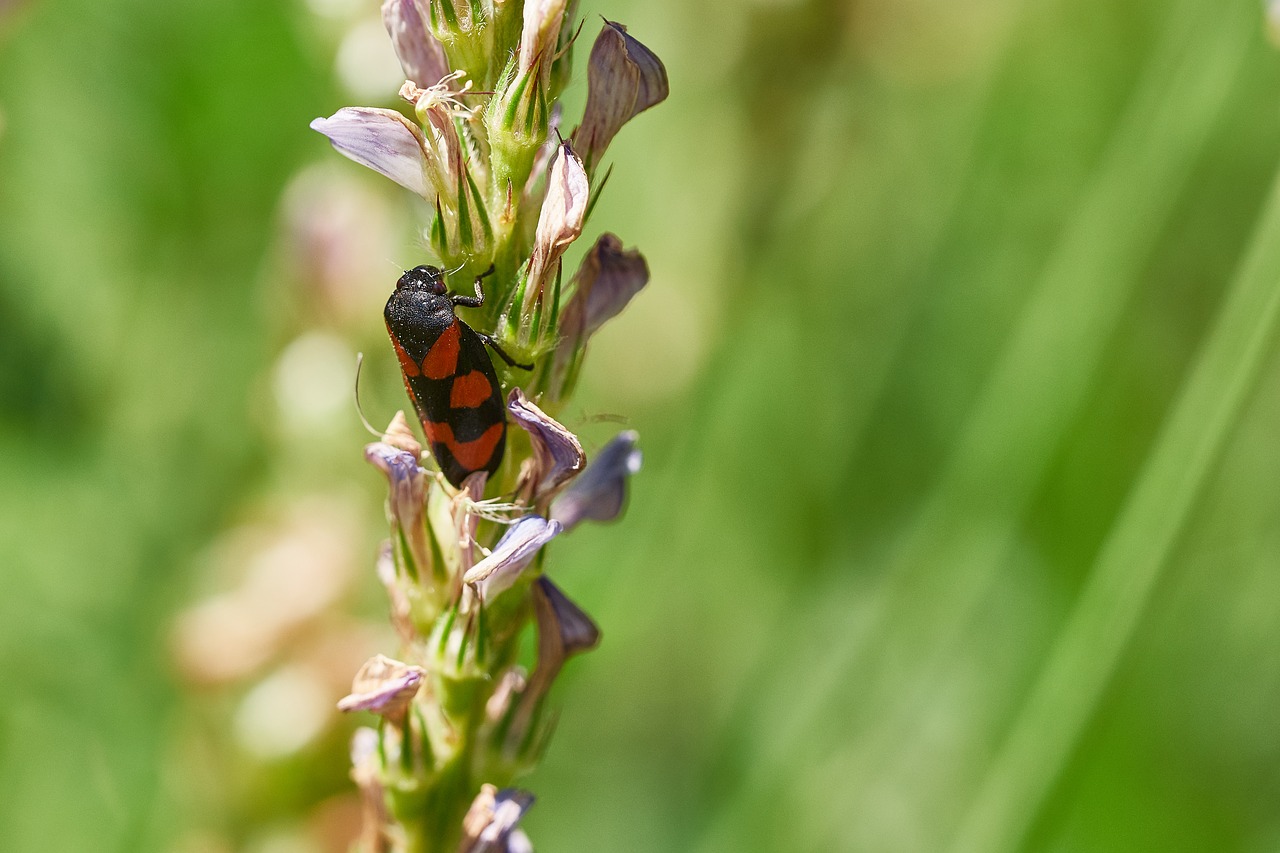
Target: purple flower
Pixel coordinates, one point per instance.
(600, 492)
(515, 550)
(383, 140)
(557, 455)
(408, 498)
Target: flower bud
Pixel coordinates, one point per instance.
(462, 228)
(538, 39)
(383, 686)
(421, 54)
(564, 211)
(462, 27)
(624, 78)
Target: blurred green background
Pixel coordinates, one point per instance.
(959, 527)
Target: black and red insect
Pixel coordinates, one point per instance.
(447, 372)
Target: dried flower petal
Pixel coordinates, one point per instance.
(557, 454)
(408, 497)
(563, 623)
(560, 222)
(401, 437)
(490, 824)
(514, 551)
(383, 140)
(606, 281)
(624, 78)
(564, 630)
(421, 54)
(600, 492)
(383, 686)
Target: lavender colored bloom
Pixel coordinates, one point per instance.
(408, 496)
(383, 140)
(600, 492)
(421, 54)
(514, 551)
(557, 454)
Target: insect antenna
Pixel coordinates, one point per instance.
(356, 391)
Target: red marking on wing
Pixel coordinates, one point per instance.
(442, 358)
(473, 455)
(408, 365)
(470, 391)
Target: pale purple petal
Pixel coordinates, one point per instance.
(565, 206)
(421, 54)
(407, 478)
(383, 686)
(514, 551)
(408, 496)
(600, 492)
(383, 140)
(509, 806)
(577, 631)
(557, 454)
(541, 30)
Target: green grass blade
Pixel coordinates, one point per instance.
(1098, 631)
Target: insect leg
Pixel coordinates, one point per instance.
(472, 301)
(503, 353)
